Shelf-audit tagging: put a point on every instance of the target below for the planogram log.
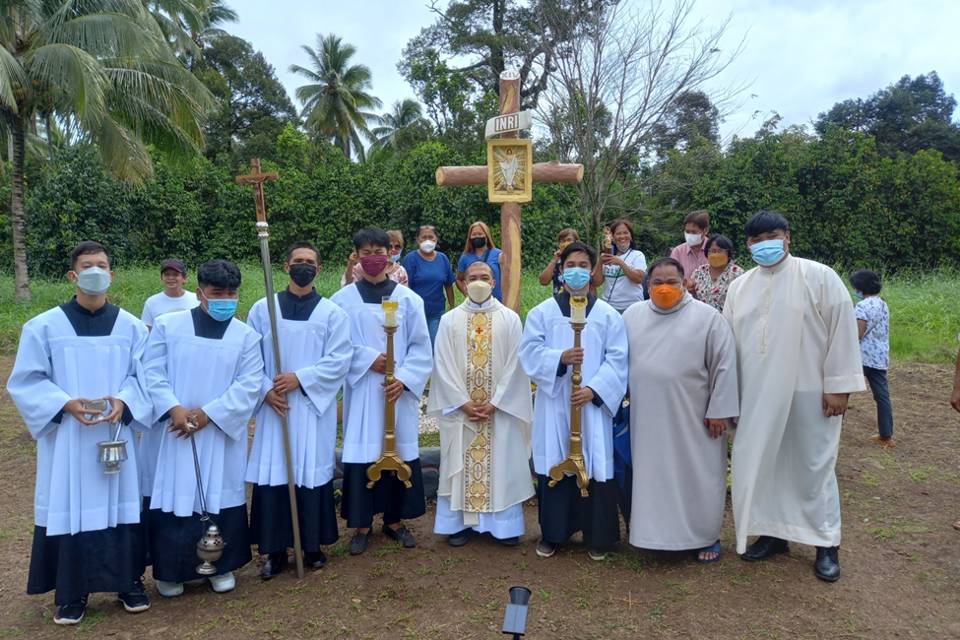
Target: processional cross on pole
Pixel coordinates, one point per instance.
(256, 177)
(509, 175)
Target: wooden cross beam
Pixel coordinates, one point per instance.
(256, 177)
(509, 211)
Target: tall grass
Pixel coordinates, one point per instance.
(924, 307)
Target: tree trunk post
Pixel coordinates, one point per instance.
(510, 268)
(21, 281)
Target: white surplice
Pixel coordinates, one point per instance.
(55, 365)
(223, 377)
(363, 399)
(796, 339)
(506, 450)
(318, 351)
(683, 369)
(546, 336)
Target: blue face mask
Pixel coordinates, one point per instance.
(395, 258)
(768, 252)
(93, 281)
(221, 309)
(858, 294)
(576, 277)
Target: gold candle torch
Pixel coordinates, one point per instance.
(389, 459)
(574, 463)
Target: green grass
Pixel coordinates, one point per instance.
(924, 307)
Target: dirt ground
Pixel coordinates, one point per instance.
(900, 561)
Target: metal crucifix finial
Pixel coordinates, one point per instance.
(256, 177)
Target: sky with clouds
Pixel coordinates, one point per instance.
(799, 56)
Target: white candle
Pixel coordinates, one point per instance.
(390, 308)
(578, 309)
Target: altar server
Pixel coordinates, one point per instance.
(315, 351)
(548, 356)
(87, 536)
(364, 391)
(204, 372)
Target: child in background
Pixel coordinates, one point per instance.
(873, 323)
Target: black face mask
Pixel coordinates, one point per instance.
(478, 242)
(302, 273)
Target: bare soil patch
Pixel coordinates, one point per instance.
(899, 556)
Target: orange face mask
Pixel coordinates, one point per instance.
(665, 296)
(717, 260)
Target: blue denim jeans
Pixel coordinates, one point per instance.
(881, 394)
(433, 324)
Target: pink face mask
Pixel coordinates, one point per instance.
(374, 265)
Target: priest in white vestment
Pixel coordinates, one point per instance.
(364, 395)
(799, 359)
(482, 398)
(82, 351)
(547, 355)
(683, 372)
(315, 355)
(204, 372)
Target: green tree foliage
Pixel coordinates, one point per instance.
(336, 102)
(401, 128)
(104, 67)
(909, 115)
(253, 105)
(691, 114)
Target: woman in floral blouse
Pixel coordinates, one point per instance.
(712, 280)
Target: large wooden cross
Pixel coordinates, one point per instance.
(509, 211)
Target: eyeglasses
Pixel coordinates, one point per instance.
(396, 246)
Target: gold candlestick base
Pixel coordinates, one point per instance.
(573, 465)
(389, 462)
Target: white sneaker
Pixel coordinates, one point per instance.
(223, 583)
(169, 589)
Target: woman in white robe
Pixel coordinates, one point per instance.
(683, 370)
(547, 336)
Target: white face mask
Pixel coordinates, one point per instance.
(427, 246)
(479, 291)
(693, 239)
(93, 281)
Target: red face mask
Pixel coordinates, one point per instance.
(375, 264)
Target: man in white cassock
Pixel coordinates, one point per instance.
(481, 396)
(799, 359)
(87, 536)
(364, 395)
(315, 354)
(204, 373)
(683, 372)
(547, 355)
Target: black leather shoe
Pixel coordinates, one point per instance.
(315, 559)
(275, 563)
(359, 543)
(765, 547)
(402, 535)
(460, 538)
(508, 542)
(827, 566)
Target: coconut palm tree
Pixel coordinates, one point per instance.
(404, 115)
(104, 69)
(336, 103)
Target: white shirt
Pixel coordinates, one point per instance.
(618, 290)
(160, 303)
(875, 344)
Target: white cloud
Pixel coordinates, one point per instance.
(800, 56)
